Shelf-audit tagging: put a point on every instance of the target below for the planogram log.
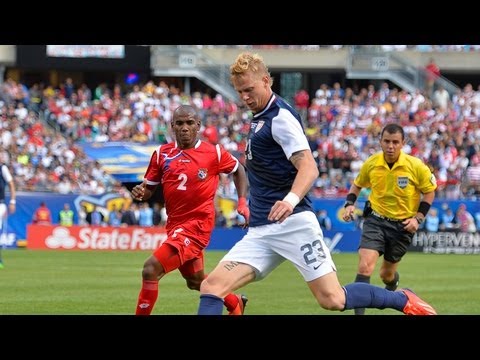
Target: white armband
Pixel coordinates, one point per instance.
(292, 199)
(13, 201)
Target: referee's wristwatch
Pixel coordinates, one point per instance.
(419, 220)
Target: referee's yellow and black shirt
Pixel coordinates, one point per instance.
(396, 192)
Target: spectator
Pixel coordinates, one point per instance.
(64, 186)
(82, 215)
(432, 221)
(128, 217)
(164, 215)
(115, 216)
(95, 217)
(157, 216)
(301, 100)
(65, 215)
(441, 97)
(42, 216)
(447, 220)
(220, 219)
(324, 220)
(145, 215)
(465, 220)
(477, 219)
(432, 74)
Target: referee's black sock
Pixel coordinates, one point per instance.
(363, 279)
(392, 285)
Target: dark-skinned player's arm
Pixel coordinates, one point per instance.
(143, 192)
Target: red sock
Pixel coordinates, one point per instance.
(147, 297)
(230, 301)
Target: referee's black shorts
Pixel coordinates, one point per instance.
(389, 238)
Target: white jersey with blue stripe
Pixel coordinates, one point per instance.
(275, 134)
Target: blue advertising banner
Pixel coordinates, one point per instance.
(27, 203)
(342, 237)
(337, 241)
(334, 208)
(126, 162)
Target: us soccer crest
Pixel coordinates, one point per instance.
(202, 174)
(256, 126)
(259, 126)
(402, 181)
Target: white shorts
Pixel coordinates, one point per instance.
(3, 214)
(298, 239)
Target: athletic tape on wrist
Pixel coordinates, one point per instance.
(292, 199)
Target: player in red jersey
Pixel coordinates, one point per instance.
(188, 172)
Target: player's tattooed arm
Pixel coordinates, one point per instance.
(307, 172)
(230, 265)
(297, 157)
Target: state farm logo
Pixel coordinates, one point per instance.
(60, 238)
(105, 238)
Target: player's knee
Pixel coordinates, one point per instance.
(152, 270)
(210, 286)
(333, 301)
(148, 272)
(205, 286)
(332, 305)
(194, 284)
(365, 268)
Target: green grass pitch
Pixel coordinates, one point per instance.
(107, 283)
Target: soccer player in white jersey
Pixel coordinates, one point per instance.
(283, 225)
(5, 179)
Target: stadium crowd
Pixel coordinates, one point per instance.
(420, 48)
(42, 129)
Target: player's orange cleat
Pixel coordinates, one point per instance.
(240, 308)
(415, 305)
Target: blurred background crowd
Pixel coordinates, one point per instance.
(44, 125)
(42, 129)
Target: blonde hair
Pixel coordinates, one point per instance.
(249, 62)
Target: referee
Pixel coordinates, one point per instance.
(402, 191)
